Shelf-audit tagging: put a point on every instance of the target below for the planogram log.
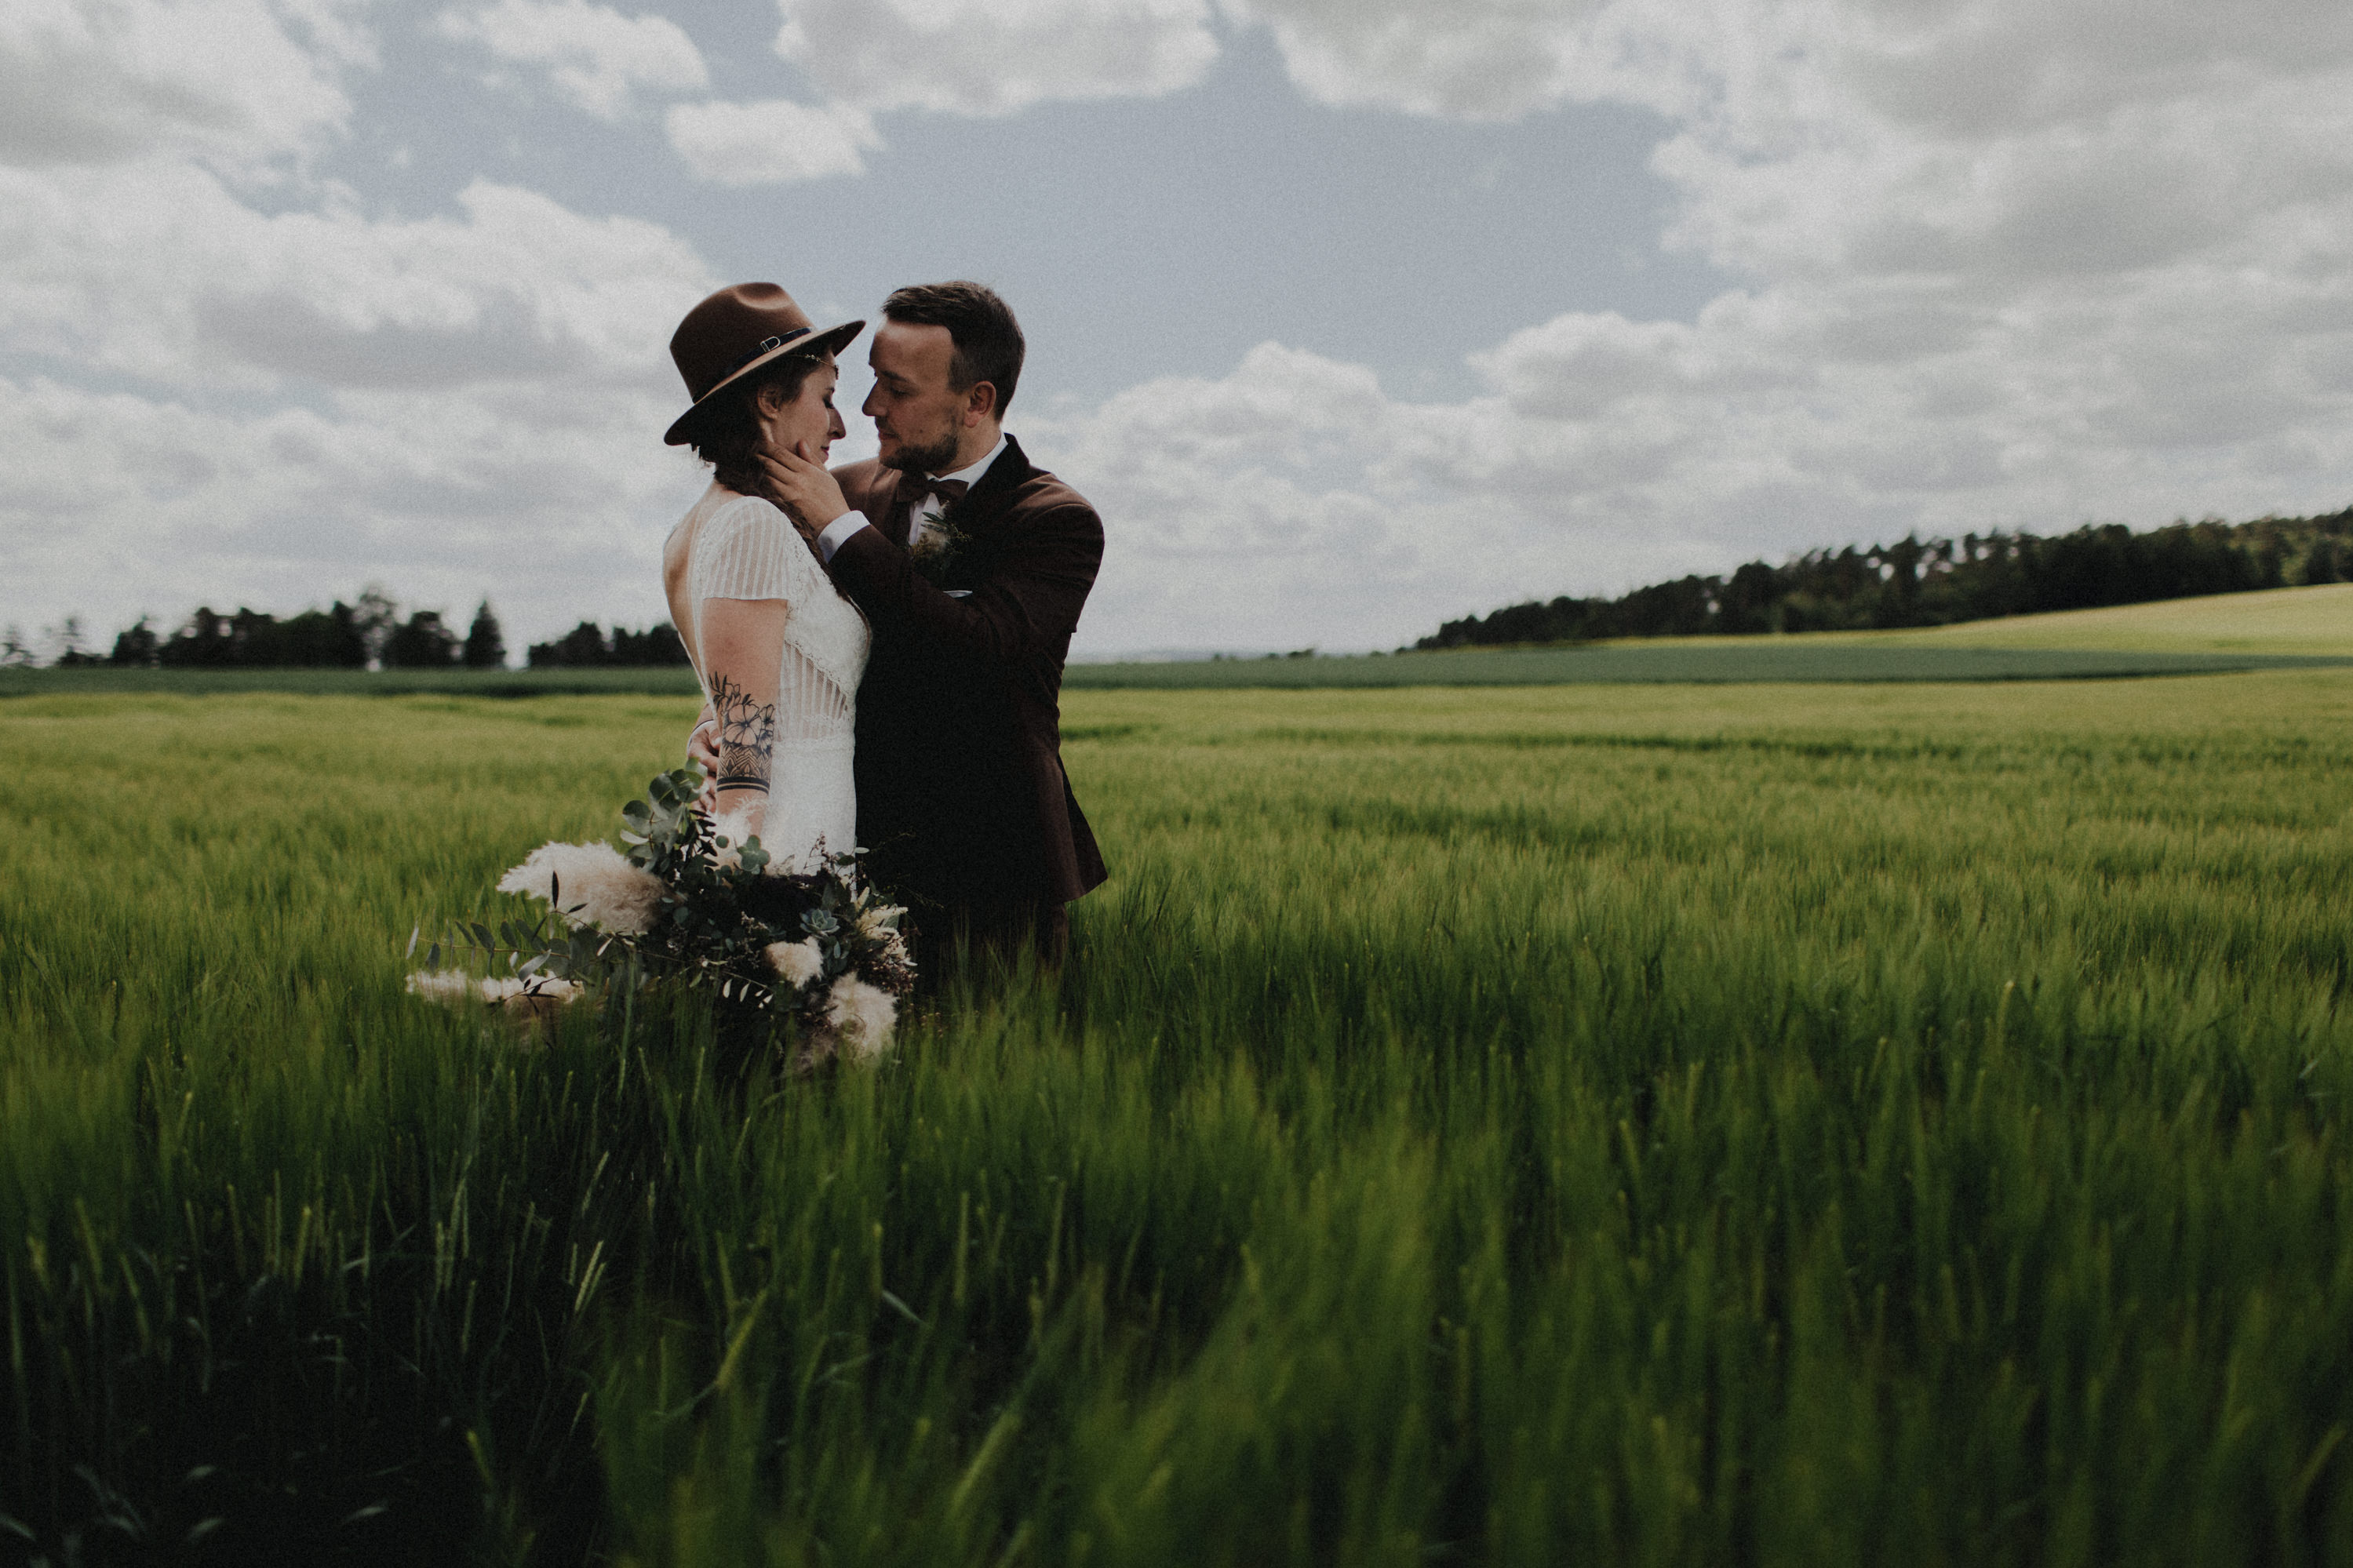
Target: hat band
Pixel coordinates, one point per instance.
(765, 345)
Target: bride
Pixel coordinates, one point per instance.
(777, 647)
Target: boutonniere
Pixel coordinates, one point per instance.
(937, 544)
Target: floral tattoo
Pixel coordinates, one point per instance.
(747, 733)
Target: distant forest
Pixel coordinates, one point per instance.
(1938, 582)
(371, 634)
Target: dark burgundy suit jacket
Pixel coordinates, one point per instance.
(961, 794)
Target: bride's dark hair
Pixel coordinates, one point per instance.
(727, 434)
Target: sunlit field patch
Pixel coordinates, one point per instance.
(1763, 1123)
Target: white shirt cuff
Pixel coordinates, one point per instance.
(837, 532)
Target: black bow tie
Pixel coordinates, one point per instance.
(914, 489)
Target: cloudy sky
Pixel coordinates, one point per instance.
(1350, 315)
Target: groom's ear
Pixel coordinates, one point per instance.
(979, 402)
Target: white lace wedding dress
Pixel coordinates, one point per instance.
(741, 547)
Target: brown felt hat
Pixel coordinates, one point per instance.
(734, 334)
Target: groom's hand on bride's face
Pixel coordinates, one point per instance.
(801, 486)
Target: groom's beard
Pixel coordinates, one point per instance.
(925, 461)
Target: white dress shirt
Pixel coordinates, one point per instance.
(837, 532)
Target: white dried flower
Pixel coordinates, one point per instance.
(737, 825)
(797, 962)
(879, 922)
(444, 985)
(534, 998)
(863, 1017)
(539, 994)
(596, 883)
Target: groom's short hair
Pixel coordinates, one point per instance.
(988, 338)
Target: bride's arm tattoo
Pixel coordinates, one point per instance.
(747, 729)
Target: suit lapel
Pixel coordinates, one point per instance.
(989, 501)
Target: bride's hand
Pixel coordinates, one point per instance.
(702, 750)
(801, 486)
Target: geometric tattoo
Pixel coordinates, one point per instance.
(747, 732)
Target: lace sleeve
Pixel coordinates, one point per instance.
(748, 550)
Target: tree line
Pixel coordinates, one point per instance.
(371, 634)
(589, 646)
(1939, 582)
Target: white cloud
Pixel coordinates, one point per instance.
(1484, 60)
(454, 404)
(2009, 263)
(2011, 134)
(2003, 263)
(157, 271)
(93, 81)
(770, 142)
(596, 57)
(1832, 185)
(553, 506)
(995, 56)
(1282, 503)
(1292, 503)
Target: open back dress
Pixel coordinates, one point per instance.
(742, 547)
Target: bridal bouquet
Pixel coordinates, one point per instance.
(696, 906)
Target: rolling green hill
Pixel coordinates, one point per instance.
(2318, 620)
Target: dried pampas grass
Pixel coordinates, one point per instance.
(797, 963)
(737, 825)
(596, 885)
(863, 1017)
(538, 997)
(446, 986)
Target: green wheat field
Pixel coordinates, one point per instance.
(1569, 1124)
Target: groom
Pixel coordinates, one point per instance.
(972, 564)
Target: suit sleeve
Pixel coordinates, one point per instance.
(1027, 606)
